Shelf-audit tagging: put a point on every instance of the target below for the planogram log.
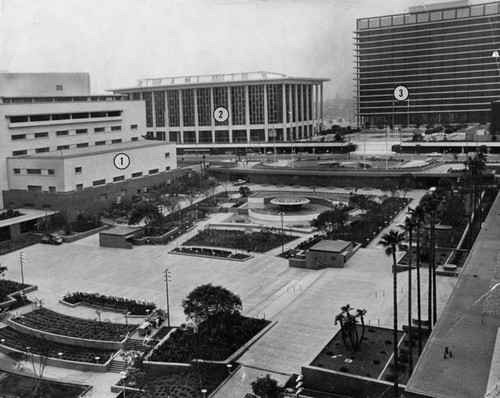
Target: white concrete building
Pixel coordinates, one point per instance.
(230, 108)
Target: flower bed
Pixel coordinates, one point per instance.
(208, 252)
(52, 322)
(134, 307)
(261, 241)
(10, 214)
(184, 344)
(20, 341)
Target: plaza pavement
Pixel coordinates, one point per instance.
(303, 302)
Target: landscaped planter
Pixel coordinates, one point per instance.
(12, 296)
(110, 303)
(80, 235)
(208, 252)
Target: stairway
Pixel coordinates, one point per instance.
(116, 366)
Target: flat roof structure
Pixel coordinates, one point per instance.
(26, 215)
(463, 327)
(122, 231)
(334, 246)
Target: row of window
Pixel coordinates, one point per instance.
(34, 171)
(64, 133)
(63, 116)
(23, 152)
(188, 104)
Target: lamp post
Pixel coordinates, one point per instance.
(282, 215)
(204, 392)
(22, 260)
(168, 278)
(123, 376)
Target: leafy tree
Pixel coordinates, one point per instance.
(392, 241)
(244, 191)
(331, 220)
(266, 387)
(349, 327)
(209, 300)
(148, 212)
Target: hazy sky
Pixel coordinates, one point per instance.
(121, 41)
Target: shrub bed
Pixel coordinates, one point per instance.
(118, 303)
(53, 322)
(206, 252)
(260, 242)
(211, 342)
(8, 287)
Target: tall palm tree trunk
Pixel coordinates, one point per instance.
(429, 289)
(395, 326)
(410, 364)
(434, 284)
(419, 298)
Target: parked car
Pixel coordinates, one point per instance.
(52, 239)
(240, 182)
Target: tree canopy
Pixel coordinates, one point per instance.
(265, 387)
(331, 220)
(209, 300)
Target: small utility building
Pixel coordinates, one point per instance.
(329, 254)
(120, 237)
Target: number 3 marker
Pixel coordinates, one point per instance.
(401, 93)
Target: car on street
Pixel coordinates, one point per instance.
(52, 239)
(239, 181)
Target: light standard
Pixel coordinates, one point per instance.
(282, 215)
(168, 278)
(204, 392)
(22, 260)
(123, 376)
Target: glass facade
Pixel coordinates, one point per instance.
(148, 97)
(274, 103)
(220, 100)
(160, 108)
(204, 107)
(188, 107)
(173, 108)
(238, 105)
(256, 99)
(444, 58)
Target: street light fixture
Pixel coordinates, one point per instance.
(282, 215)
(168, 278)
(204, 392)
(123, 376)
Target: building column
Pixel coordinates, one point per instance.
(302, 111)
(153, 107)
(266, 119)
(307, 118)
(296, 107)
(167, 121)
(321, 104)
(181, 120)
(247, 112)
(316, 104)
(196, 122)
(230, 119)
(283, 98)
(290, 111)
(212, 121)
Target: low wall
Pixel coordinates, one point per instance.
(62, 363)
(101, 344)
(12, 300)
(81, 235)
(156, 239)
(114, 241)
(331, 381)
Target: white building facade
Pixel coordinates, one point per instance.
(230, 108)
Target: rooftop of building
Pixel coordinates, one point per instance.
(124, 231)
(431, 13)
(96, 150)
(333, 246)
(217, 79)
(462, 327)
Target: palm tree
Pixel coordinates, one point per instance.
(409, 225)
(392, 241)
(417, 215)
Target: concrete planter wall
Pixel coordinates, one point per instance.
(156, 239)
(12, 296)
(62, 363)
(81, 235)
(102, 344)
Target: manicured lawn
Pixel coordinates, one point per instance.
(261, 242)
(210, 343)
(23, 387)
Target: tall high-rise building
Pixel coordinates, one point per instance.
(256, 106)
(443, 54)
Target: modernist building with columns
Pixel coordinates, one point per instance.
(230, 108)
